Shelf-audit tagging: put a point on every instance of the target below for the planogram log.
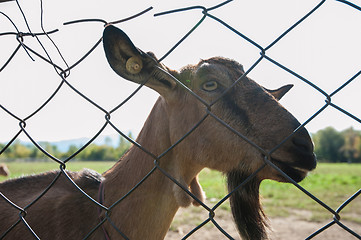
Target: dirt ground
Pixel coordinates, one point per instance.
(282, 228)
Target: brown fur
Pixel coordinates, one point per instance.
(246, 207)
(44, 215)
(147, 212)
(4, 170)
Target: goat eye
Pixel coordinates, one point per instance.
(210, 86)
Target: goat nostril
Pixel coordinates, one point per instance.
(303, 144)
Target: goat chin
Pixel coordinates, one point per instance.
(246, 207)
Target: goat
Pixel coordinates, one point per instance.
(4, 170)
(146, 213)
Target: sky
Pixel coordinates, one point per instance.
(324, 49)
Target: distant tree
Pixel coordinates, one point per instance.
(93, 152)
(17, 150)
(101, 153)
(352, 145)
(2, 156)
(328, 144)
(124, 144)
(71, 150)
(36, 153)
(50, 149)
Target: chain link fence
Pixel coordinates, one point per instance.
(41, 54)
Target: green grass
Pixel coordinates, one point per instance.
(331, 183)
(18, 169)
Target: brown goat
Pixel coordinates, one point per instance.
(146, 213)
(4, 170)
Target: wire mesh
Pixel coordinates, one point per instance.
(63, 74)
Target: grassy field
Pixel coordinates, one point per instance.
(331, 183)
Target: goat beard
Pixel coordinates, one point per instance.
(246, 207)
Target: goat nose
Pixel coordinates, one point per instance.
(303, 144)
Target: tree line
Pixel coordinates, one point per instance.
(93, 152)
(330, 146)
(334, 146)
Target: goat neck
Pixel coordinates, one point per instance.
(153, 204)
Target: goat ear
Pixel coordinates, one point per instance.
(132, 63)
(280, 92)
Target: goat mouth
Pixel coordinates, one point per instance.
(296, 173)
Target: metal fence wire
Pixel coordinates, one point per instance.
(20, 37)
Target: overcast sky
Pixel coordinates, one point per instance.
(325, 49)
